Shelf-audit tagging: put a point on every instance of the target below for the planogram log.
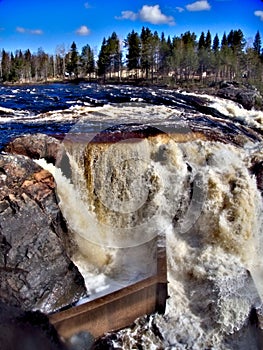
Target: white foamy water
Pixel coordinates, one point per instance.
(199, 194)
(252, 118)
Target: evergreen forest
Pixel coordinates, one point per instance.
(144, 57)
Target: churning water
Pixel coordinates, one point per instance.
(182, 171)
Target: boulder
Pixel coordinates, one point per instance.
(36, 271)
(36, 146)
(247, 96)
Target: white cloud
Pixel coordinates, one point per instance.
(128, 15)
(83, 30)
(202, 5)
(36, 31)
(259, 14)
(20, 29)
(30, 31)
(180, 9)
(151, 14)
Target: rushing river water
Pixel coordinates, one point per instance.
(185, 177)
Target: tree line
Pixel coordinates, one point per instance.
(144, 56)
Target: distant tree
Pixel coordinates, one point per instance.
(87, 61)
(257, 43)
(61, 61)
(146, 50)
(237, 47)
(114, 53)
(238, 41)
(177, 57)
(19, 66)
(12, 73)
(5, 65)
(28, 65)
(52, 67)
(155, 55)
(201, 42)
(165, 52)
(216, 56)
(208, 41)
(42, 61)
(224, 42)
(190, 58)
(103, 59)
(230, 39)
(202, 54)
(226, 57)
(133, 43)
(110, 57)
(73, 61)
(215, 46)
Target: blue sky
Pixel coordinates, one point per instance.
(50, 23)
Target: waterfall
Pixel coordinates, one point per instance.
(125, 192)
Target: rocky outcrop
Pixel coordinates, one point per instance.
(247, 96)
(36, 146)
(257, 170)
(35, 268)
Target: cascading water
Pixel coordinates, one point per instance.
(200, 195)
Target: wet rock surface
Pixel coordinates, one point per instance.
(35, 268)
(247, 96)
(36, 146)
(257, 170)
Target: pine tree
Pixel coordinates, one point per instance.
(224, 41)
(257, 43)
(226, 56)
(114, 54)
(73, 62)
(87, 61)
(177, 57)
(103, 59)
(201, 42)
(28, 64)
(165, 52)
(110, 58)
(133, 43)
(5, 65)
(208, 41)
(146, 50)
(216, 56)
(190, 59)
(215, 46)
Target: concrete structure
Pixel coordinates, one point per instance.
(118, 309)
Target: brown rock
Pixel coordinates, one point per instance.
(35, 146)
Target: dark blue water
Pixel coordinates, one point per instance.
(23, 108)
(49, 97)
